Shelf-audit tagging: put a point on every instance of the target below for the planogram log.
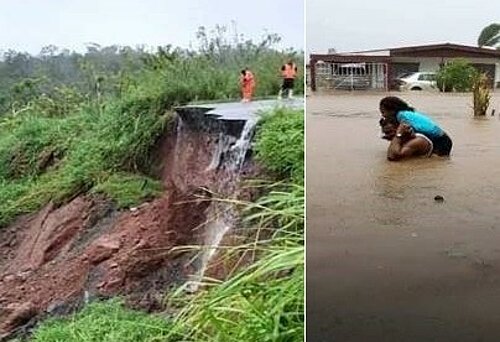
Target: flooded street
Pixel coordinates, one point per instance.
(385, 261)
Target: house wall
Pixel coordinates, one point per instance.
(497, 75)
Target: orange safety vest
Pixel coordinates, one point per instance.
(289, 71)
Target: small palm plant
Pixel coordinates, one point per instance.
(481, 94)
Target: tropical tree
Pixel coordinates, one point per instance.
(490, 36)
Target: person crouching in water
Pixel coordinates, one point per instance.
(405, 143)
(395, 109)
(247, 84)
(288, 72)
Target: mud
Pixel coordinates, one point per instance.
(385, 260)
(131, 256)
(56, 260)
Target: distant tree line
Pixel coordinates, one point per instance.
(58, 77)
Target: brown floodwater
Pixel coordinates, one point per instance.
(385, 261)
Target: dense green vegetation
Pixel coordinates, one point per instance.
(46, 159)
(86, 123)
(76, 123)
(457, 75)
(110, 321)
(279, 144)
(57, 81)
(128, 189)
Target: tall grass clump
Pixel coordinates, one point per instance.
(279, 144)
(52, 159)
(262, 300)
(128, 189)
(105, 322)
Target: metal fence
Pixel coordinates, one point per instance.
(351, 76)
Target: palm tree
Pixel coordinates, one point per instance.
(490, 35)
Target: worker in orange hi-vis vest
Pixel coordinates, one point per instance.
(247, 83)
(288, 72)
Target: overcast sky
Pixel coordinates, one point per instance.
(359, 25)
(28, 25)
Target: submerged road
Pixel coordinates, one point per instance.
(385, 262)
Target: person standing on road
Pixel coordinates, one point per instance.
(247, 84)
(288, 72)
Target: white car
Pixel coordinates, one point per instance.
(417, 81)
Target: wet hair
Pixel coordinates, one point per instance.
(385, 128)
(388, 121)
(394, 104)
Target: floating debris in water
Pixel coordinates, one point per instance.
(439, 198)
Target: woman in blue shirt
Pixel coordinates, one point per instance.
(394, 108)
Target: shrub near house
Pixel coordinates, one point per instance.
(457, 75)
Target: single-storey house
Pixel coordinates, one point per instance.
(377, 69)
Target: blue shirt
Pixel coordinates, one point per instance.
(420, 123)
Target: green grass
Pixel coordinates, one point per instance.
(105, 322)
(280, 144)
(128, 189)
(89, 148)
(260, 301)
(24, 143)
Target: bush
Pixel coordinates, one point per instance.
(91, 146)
(457, 75)
(105, 322)
(128, 190)
(29, 145)
(279, 143)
